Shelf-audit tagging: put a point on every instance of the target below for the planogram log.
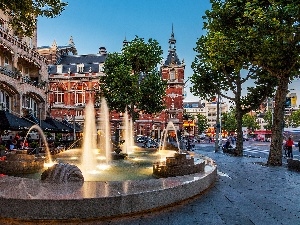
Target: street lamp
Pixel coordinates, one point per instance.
(218, 126)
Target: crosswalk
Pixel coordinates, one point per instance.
(259, 150)
(252, 150)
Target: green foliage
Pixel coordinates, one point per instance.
(268, 120)
(142, 57)
(23, 14)
(34, 144)
(250, 122)
(294, 119)
(229, 122)
(2, 147)
(259, 36)
(202, 123)
(153, 90)
(131, 80)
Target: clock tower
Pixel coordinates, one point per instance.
(172, 70)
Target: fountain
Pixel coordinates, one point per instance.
(18, 162)
(163, 141)
(72, 198)
(44, 140)
(128, 145)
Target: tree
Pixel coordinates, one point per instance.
(250, 122)
(222, 68)
(229, 122)
(202, 123)
(268, 34)
(23, 14)
(268, 120)
(294, 119)
(132, 82)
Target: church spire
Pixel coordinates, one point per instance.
(125, 42)
(172, 41)
(172, 56)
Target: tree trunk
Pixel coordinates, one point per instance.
(239, 137)
(239, 117)
(275, 155)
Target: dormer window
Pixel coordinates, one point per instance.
(59, 68)
(80, 68)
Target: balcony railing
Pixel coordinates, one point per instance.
(9, 39)
(10, 73)
(17, 75)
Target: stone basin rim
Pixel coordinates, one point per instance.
(97, 199)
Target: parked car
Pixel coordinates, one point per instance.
(140, 139)
(150, 143)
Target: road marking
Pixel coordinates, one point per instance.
(256, 150)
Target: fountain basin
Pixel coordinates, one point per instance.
(19, 162)
(29, 199)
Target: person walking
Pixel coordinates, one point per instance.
(289, 145)
(299, 145)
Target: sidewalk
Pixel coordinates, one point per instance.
(246, 192)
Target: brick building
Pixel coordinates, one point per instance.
(74, 80)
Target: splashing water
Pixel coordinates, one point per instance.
(90, 150)
(48, 161)
(128, 134)
(162, 144)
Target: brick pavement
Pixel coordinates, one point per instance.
(246, 192)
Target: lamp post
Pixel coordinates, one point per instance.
(220, 119)
(217, 125)
(74, 129)
(40, 123)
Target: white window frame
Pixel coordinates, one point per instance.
(59, 96)
(59, 68)
(80, 68)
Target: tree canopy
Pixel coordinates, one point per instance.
(250, 122)
(202, 123)
(132, 81)
(259, 34)
(222, 67)
(293, 120)
(23, 14)
(229, 122)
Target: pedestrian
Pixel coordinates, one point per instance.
(299, 145)
(289, 145)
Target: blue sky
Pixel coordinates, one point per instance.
(96, 23)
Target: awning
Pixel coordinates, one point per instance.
(59, 126)
(262, 132)
(72, 125)
(9, 121)
(44, 126)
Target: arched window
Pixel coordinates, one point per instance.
(30, 104)
(4, 100)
